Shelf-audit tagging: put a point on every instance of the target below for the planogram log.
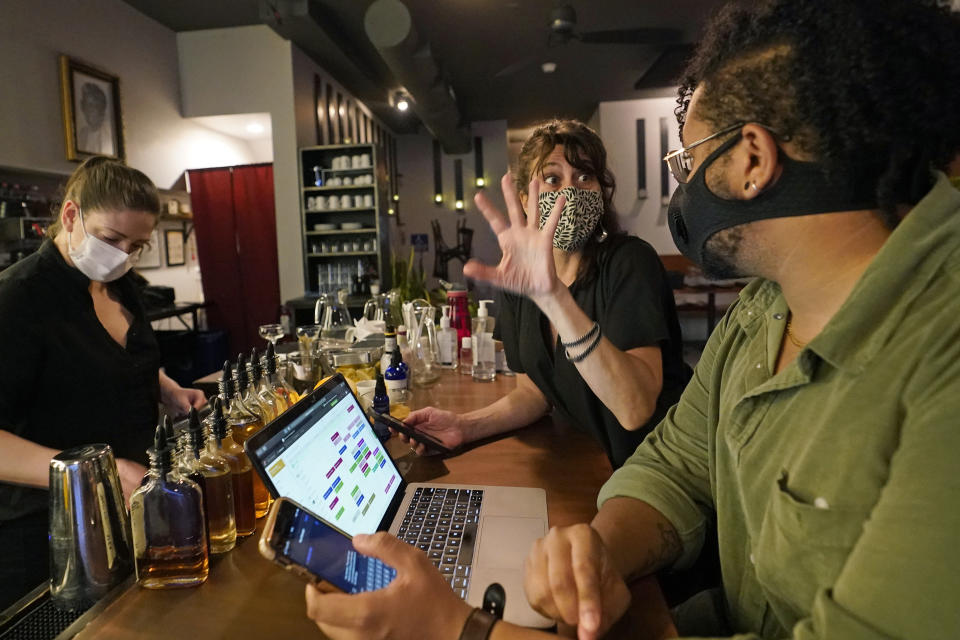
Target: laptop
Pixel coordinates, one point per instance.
(324, 454)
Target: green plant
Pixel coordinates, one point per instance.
(409, 281)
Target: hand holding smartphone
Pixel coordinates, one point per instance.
(415, 434)
(299, 541)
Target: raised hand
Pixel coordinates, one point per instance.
(527, 265)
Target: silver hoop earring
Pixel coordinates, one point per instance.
(602, 236)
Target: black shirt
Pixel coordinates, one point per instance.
(630, 297)
(64, 381)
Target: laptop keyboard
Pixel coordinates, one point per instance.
(443, 524)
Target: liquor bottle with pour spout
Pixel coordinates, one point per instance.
(245, 421)
(212, 472)
(166, 516)
(220, 442)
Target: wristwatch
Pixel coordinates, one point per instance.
(478, 625)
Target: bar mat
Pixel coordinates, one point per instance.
(43, 622)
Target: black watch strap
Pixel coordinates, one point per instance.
(478, 625)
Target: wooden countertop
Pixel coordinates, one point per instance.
(246, 596)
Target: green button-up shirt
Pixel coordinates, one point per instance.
(836, 482)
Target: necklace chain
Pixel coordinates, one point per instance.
(792, 338)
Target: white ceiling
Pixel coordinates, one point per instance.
(246, 126)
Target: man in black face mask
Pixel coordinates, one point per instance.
(820, 428)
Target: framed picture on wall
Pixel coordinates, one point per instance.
(150, 256)
(173, 241)
(92, 120)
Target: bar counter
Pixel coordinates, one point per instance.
(246, 596)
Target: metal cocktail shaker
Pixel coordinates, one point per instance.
(90, 539)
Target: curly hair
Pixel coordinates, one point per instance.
(871, 90)
(584, 150)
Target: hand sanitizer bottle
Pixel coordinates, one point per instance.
(484, 359)
(447, 340)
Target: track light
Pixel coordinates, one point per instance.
(400, 101)
(459, 204)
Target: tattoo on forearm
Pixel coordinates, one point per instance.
(661, 554)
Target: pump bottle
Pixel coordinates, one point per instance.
(447, 340)
(484, 358)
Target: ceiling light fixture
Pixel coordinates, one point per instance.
(458, 182)
(549, 67)
(400, 101)
(478, 163)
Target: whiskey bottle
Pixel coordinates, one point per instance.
(220, 442)
(277, 382)
(166, 515)
(265, 395)
(251, 396)
(245, 421)
(212, 473)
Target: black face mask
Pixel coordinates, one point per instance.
(696, 213)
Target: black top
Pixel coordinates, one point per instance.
(63, 380)
(630, 297)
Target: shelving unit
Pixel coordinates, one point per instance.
(321, 266)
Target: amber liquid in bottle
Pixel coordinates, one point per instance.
(221, 442)
(260, 496)
(219, 507)
(212, 473)
(166, 513)
(245, 419)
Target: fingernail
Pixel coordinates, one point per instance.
(588, 618)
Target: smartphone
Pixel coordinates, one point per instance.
(300, 542)
(415, 434)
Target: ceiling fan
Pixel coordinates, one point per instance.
(563, 29)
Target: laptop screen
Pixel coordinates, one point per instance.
(329, 460)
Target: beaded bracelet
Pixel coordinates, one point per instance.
(586, 352)
(582, 339)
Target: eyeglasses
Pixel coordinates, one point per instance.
(681, 162)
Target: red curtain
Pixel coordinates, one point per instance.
(235, 223)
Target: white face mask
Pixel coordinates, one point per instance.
(99, 260)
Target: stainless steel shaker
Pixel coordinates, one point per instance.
(90, 539)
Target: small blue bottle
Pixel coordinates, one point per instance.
(396, 375)
(380, 405)
(381, 401)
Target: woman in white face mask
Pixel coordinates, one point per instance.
(588, 321)
(81, 363)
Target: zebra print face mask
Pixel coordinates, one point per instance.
(580, 216)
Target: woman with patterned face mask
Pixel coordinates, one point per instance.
(81, 363)
(587, 318)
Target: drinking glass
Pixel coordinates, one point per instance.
(306, 338)
(272, 332)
